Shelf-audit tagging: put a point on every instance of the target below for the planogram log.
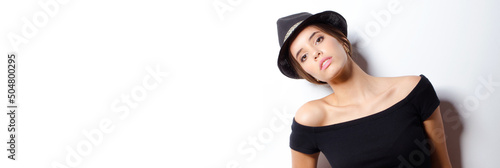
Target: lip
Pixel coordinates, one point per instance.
(327, 63)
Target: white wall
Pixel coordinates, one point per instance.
(220, 100)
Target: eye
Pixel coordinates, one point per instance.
(319, 39)
(303, 58)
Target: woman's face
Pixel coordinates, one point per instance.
(318, 53)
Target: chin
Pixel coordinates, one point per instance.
(334, 74)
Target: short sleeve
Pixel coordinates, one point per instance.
(426, 100)
(302, 140)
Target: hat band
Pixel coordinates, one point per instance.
(291, 30)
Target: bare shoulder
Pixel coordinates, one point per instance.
(409, 81)
(406, 84)
(311, 113)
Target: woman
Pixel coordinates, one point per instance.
(368, 121)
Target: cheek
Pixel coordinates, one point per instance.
(332, 44)
(309, 68)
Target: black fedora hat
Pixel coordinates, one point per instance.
(290, 26)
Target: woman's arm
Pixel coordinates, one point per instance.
(435, 131)
(302, 160)
(309, 114)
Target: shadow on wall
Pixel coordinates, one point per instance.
(453, 128)
(359, 58)
(323, 162)
(453, 125)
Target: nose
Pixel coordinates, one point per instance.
(317, 54)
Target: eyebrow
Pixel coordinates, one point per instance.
(310, 37)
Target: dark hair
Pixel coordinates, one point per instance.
(332, 31)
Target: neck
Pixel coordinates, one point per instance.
(352, 85)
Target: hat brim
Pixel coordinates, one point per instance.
(327, 17)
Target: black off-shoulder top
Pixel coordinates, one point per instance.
(394, 137)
